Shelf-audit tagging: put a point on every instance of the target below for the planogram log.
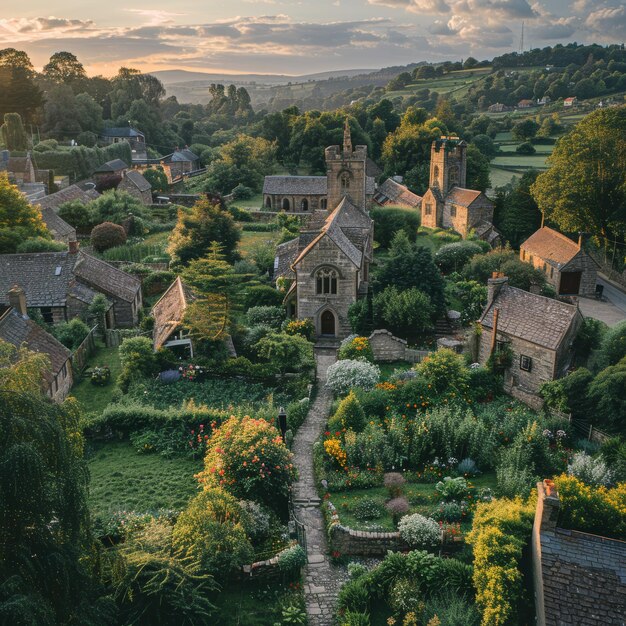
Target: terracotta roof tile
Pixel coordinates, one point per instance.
(393, 192)
(551, 246)
(464, 197)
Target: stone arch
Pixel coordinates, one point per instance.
(327, 322)
(285, 204)
(304, 204)
(268, 202)
(345, 178)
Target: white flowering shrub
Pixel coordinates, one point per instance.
(592, 471)
(346, 374)
(418, 530)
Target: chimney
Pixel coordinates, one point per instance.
(73, 247)
(494, 284)
(548, 505)
(17, 300)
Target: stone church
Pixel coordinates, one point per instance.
(328, 263)
(447, 203)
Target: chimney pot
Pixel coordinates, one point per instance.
(494, 284)
(17, 300)
(73, 247)
(548, 505)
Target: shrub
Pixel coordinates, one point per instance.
(303, 327)
(272, 316)
(444, 370)
(248, 457)
(525, 148)
(71, 334)
(607, 396)
(408, 310)
(344, 375)
(349, 415)
(256, 521)
(100, 375)
(452, 488)
(40, 244)
(353, 596)
(394, 484)
(357, 348)
(451, 609)
(137, 359)
(453, 256)
(467, 467)
(78, 215)
(449, 512)
(388, 221)
(500, 531)
(367, 508)
(262, 295)
(292, 559)
(286, 353)
(211, 532)
(592, 471)
(568, 394)
(418, 530)
(296, 414)
(404, 595)
(397, 507)
(350, 618)
(107, 235)
(513, 482)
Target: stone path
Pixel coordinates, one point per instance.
(322, 579)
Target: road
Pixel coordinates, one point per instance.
(613, 294)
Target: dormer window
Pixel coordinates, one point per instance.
(326, 281)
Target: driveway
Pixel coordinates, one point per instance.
(612, 311)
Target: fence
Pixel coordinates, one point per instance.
(84, 351)
(299, 527)
(582, 428)
(113, 337)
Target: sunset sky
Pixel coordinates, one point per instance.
(298, 37)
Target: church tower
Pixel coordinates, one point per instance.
(345, 172)
(448, 164)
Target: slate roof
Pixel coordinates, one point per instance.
(111, 166)
(183, 155)
(286, 254)
(124, 131)
(551, 246)
(48, 277)
(537, 319)
(298, 185)
(584, 578)
(463, 197)
(59, 227)
(372, 168)
(169, 310)
(138, 179)
(73, 192)
(18, 330)
(393, 192)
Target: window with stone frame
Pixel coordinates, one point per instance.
(326, 281)
(525, 363)
(429, 209)
(452, 210)
(345, 181)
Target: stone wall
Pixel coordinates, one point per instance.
(388, 348)
(359, 542)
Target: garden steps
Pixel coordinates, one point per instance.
(322, 579)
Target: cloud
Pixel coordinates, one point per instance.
(416, 6)
(608, 21)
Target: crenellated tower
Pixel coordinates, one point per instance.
(448, 164)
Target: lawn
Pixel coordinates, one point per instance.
(251, 239)
(387, 369)
(125, 480)
(94, 399)
(421, 496)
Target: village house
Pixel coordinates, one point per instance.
(394, 193)
(168, 314)
(67, 194)
(181, 162)
(329, 261)
(59, 228)
(19, 330)
(570, 102)
(525, 104)
(568, 268)
(447, 203)
(136, 185)
(23, 173)
(62, 285)
(579, 579)
(536, 332)
(134, 137)
(110, 171)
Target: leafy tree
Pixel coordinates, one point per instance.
(444, 370)
(388, 221)
(613, 346)
(79, 215)
(157, 179)
(197, 229)
(19, 220)
(525, 130)
(520, 274)
(349, 415)
(13, 133)
(137, 359)
(18, 91)
(473, 297)
(453, 256)
(71, 334)
(569, 394)
(286, 353)
(477, 169)
(116, 206)
(403, 311)
(61, 112)
(585, 187)
(89, 113)
(107, 235)
(486, 145)
(526, 149)
(64, 68)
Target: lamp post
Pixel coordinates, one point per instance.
(282, 422)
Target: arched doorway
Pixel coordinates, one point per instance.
(285, 204)
(327, 323)
(268, 203)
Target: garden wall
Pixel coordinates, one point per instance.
(388, 348)
(359, 542)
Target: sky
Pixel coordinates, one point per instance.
(298, 37)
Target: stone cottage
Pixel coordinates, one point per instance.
(59, 228)
(537, 331)
(136, 185)
(394, 193)
(579, 579)
(68, 194)
(17, 329)
(111, 170)
(329, 261)
(62, 285)
(447, 203)
(181, 162)
(568, 268)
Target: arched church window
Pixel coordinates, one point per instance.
(453, 176)
(326, 281)
(268, 202)
(285, 204)
(436, 174)
(304, 205)
(345, 181)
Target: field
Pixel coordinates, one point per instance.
(452, 83)
(249, 240)
(124, 480)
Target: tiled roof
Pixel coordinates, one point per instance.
(463, 197)
(105, 278)
(286, 254)
(169, 310)
(392, 192)
(138, 179)
(18, 330)
(299, 185)
(111, 166)
(82, 292)
(584, 578)
(540, 320)
(56, 225)
(183, 155)
(551, 246)
(44, 276)
(73, 192)
(372, 168)
(124, 131)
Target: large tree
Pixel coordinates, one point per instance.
(64, 68)
(13, 133)
(18, 92)
(585, 187)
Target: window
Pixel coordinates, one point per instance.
(530, 258)
(525, 363)
(324, 203)
(453, 176)
(345, 181)
(304, 205)
(452, 210)
(523, 255)
(46, 313)
(64, 370)
(326, 281)
(551, 272)
(545, 267)
(501, 346)
(429, 209)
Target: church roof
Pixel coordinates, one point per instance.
(537, 319)
(463, 197)
(393, 192)
(551, 246)
(286, 254)
(300, 185)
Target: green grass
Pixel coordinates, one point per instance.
(250, 239)
(387, 369)
(122, 479)
(256, 202)
(421, 496)
(94, 399)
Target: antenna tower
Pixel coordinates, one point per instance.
(521, 41)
